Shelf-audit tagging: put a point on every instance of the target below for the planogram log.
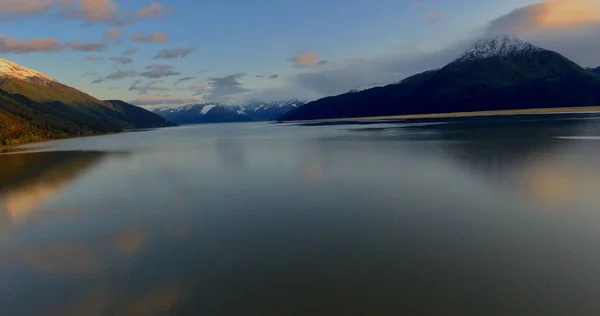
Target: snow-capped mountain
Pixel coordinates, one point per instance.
(202, 113)
(270, 110)
(498, 73)
(498, 46)
(35, 107)
(12, 70)
(222, 113)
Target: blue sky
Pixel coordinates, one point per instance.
(231, 42)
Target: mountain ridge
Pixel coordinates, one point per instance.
(215, 112)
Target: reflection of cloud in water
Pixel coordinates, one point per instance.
(163, 300)
(61, 258)
(29, 180)
(97, 303)
(558, 183)
(130, 241)
(231, 153)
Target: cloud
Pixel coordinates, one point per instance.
(98, 80)
(94, 59)
(174, 53)
(180, 80)
(153, 10)
(121, 60)
(113, 34)
(273, 76)
(143, 89)
(150, 38)
(96, 11)
(434, 16)
(159, 71)
(570, 27)
(304, 59)
(46, 45)
(131, 51)
(121, 74)
(161, 100)
(9, 45)
(322, 62)
(552, 15)
(12, 9)
(219, 88)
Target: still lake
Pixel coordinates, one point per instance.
(495, 216)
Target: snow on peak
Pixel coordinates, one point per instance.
(207, 108)
(498, 46)
(10, 69)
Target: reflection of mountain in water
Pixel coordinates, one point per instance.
(28, 180)
(527, 155)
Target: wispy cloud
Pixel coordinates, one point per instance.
(145, 88)
(121, 60)
(121, 74)
(161, 100)
(174, 53)
(131, 51)
(159, 71)
(94, 59)
(153, 10)
(219, 88)
(180, 80)
(150, 38)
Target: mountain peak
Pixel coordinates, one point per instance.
(498, 46)
(13, 70)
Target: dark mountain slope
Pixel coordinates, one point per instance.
(501, 73)
(34, 107)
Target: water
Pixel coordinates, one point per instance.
(478, 217)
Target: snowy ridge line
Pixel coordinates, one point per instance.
(10, 69)
(498, 46)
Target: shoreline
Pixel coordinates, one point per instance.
(549, 111)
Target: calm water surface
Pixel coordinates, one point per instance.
(485, 217)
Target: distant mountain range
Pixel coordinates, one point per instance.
(222, 113)
(500, 73)
(35, 106)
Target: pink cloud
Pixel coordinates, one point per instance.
(434, 16)
(96, 11)
(151, 38)
(9, 45)
(153, 10)
(14, 8)
(113, 34)
(46, 45)
(304, 59)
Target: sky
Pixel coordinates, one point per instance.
(168, 53)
